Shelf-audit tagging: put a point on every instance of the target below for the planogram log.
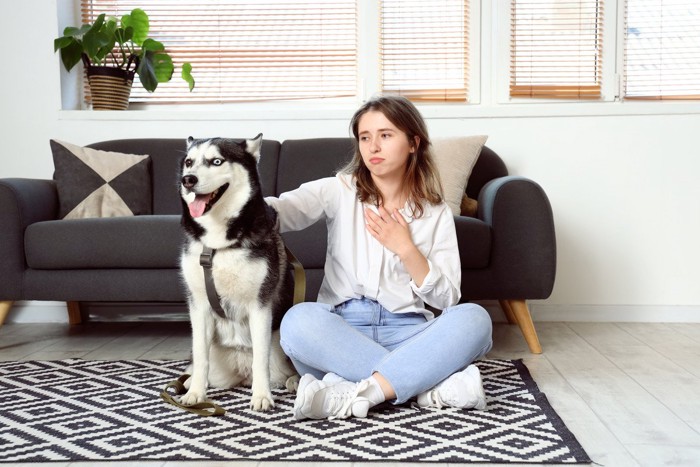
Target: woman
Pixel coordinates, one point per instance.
(392, 249)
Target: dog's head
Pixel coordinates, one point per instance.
(216, 169)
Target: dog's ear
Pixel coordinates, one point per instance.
(253, 146)
(190, 140)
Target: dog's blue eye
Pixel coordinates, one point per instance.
(217, 162)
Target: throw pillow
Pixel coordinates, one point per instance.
(93, 183)
(455, 159)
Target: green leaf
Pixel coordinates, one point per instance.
(187, 74)
(123, 35)
(97, 25)
(62, 42)
(71, 31)
(146, 72)
(110, 26)
(97, 44)
(137, 19)
(163, 66)
(152, 45)
(70, 54)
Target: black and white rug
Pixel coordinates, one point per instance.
(80, 410)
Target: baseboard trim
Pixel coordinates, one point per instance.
(56, 312)
(38, 312)
(617, 313)
(543, 312)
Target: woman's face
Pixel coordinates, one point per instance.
(384, 148)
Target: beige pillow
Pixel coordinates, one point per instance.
(455, 158)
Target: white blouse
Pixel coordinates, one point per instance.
(357, 265)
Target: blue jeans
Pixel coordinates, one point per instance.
(360, 337)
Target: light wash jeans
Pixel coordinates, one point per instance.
(360, 337)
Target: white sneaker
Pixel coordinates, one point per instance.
(463, 390)
(333, 397)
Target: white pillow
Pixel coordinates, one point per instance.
(455, 158)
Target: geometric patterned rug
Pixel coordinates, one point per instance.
(84, 410)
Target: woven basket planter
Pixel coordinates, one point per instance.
(109, 87)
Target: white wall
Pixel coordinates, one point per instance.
(622, 182)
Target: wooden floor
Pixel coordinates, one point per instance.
(630, 392)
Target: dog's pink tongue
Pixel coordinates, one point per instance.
(198, 205)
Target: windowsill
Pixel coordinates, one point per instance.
(304, 111)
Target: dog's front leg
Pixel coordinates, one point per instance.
(260, 334)
(203, 325)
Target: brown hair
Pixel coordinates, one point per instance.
(421, 176)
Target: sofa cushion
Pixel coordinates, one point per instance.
(304, 160)
(116, 242)
(474, 242)
(455, 159)
(94, 183)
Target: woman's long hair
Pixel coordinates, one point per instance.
(421, 178)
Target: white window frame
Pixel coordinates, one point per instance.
(489, 80)
(501, 21)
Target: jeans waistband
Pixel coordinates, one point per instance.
(367, 312)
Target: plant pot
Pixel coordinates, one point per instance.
(109, 87)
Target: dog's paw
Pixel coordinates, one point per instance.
(192, 398)
(292, 383)
(262, 403)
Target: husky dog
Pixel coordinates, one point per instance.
(224, 210)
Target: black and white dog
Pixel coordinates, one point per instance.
(224, 210)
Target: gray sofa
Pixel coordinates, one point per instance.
(508, 250)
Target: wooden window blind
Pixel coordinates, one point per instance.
(662, 49)
(556, 48)
(424, 49)
(249, 51)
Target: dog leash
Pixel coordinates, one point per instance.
(205, 409)
(177, 387)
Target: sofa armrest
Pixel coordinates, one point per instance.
(22, 202)
(523, 254)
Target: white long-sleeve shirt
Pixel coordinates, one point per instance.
(357, 265)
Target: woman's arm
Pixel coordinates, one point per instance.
(300, 208)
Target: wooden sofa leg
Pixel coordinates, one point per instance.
(74, 316)
(5, 307)
(508, 311)
(524, 320)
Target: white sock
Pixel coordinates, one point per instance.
(374, 392)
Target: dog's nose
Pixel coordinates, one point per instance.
(188, 181)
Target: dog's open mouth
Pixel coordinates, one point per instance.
(203, 203)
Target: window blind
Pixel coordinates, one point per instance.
(249, 51)
(662, 49)
(556, 48)
(424, 49)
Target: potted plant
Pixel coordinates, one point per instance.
(113, 53)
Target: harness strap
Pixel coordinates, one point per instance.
(206, 261)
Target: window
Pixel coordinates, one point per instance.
(662, 49)
(289, 49)
(556, 48)
(424, 49)
(242, 51)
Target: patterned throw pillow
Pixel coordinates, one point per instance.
(93, 183)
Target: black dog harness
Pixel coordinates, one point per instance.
(206, 261)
